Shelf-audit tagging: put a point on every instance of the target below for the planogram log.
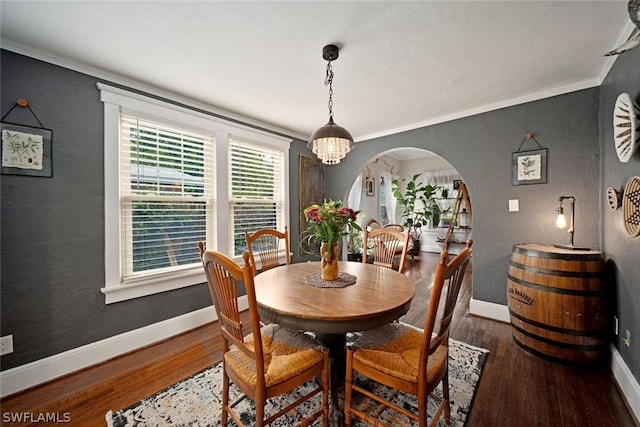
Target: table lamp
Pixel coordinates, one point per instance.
(561, 222)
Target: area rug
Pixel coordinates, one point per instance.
(196, 401)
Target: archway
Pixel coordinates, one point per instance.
(371, 193)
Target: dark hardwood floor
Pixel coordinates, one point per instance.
(516, 388)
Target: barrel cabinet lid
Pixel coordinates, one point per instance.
(538, 248)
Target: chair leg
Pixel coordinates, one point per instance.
(260, 402)
(225, 398)
(348, 383)
(445, 394)
(325, 389)
(423, 420)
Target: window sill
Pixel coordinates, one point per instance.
(168, 282)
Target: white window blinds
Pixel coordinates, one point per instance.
(256, 193)
(167, 194)
(441, 177)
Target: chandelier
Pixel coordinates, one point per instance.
(331, 142)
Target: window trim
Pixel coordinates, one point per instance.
(114, 100)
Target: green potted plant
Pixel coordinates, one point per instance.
(354, 246)
(417, 205)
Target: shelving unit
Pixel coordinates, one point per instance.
(459, 237)
(456, 228)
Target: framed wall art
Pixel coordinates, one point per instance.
(530, 166)
(312, 191)
(370, 187)
(26, 150)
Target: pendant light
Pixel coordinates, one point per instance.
(331, 142)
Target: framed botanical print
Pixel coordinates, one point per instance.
(26, 150)
(529, 167)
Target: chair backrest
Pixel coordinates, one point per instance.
(395, 227)
(225, 279)
(372, 224)
(449, 274)
(268, 244)
(386, 244)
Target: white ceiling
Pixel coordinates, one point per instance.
(402, 65)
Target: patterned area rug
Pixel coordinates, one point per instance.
(196, 401)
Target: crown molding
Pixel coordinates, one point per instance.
(149, 89)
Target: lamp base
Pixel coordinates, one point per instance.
(572, 248)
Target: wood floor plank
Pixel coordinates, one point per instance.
(516, 388)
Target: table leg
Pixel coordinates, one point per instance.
(337, 345)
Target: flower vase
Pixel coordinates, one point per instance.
(329, 264)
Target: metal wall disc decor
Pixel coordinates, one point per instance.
(625, 122)
(631, 206)
(614, 197)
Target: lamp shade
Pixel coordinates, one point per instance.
(331, 143)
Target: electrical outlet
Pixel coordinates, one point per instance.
(615, 325)
(6, 345)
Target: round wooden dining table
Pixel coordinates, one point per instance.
(378, 296)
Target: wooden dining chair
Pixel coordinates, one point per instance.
(372, 224)
(268, 361)
(267, 243)
(406, 358)
(385, 244)
(395, 227)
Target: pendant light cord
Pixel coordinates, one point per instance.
(328, 81)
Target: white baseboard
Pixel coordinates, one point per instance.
(627, 384)
(489, 310)
(43, 370)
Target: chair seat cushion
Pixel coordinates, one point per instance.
(287, 353)
(394, 349)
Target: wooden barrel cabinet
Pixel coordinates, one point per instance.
(559, 303)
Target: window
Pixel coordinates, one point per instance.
(167, 190)
(173, 177)
(257, 191)
(384, 217)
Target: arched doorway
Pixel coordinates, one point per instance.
(371, 193)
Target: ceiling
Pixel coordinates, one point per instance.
(402, 65)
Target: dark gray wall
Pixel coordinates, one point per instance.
(52, 245)
(622, 250)
(480, 148)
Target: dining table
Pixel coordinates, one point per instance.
(287, 295)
